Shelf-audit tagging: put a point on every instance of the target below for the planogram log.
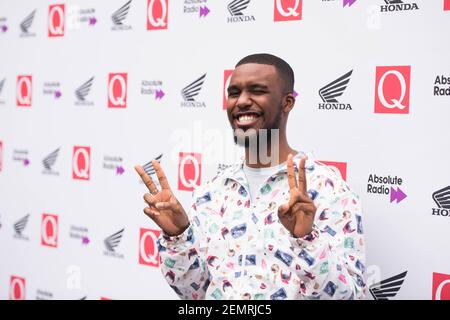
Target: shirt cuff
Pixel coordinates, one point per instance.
(307, 240)
(176, 241)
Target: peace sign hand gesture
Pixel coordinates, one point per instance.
(298, 214)
(164, 208)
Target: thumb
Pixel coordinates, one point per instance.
(283, 209)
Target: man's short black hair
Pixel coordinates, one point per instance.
(283, 68)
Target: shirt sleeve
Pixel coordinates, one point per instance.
(182, 263)
(330, 260)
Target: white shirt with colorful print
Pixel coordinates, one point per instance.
(238, 249)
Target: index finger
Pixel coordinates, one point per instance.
(146, 179)
(302, 176)
(160, 174)
(291, 173)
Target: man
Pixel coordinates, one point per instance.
(286, 227)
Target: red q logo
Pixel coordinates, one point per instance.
(117, 90)
(392, 88)
(441, 286)
(340, 166)
(157, 14)
(226, 83)
(17, 288)
(23, 92)
(148, 250)
(286, 10)
(56, 20)
(189, 171)
(81, 164)
(49, 230)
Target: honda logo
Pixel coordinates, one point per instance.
(157, 14)
(23, 92)
(392, 89)
(81, 164)
(117, 90)
(17, 288)
(56, 20)
(148, 250)
(49, 230)
(286, 10)
(189, 171)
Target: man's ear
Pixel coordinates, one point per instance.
(288, 102)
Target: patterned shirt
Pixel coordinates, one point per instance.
(238, 249)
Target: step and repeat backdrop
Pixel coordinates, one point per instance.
(88, 89)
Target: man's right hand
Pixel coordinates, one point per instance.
(163, 206)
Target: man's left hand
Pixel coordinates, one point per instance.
(298, 214)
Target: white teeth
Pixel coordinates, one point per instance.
(246, 118)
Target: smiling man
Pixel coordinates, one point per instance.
(279, 225)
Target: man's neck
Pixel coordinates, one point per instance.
(268, 157)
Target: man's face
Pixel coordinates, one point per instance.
(254, 99)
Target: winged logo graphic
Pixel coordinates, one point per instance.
(335, 89)
(193, 89)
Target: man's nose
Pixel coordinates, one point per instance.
(244, 100)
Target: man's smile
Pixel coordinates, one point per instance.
(246, 119)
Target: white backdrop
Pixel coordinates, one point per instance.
(197, 37)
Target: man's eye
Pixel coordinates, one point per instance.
(233, 94)
(258, 91)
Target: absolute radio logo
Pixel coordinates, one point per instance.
(196, 7)
(24, 90)
(339, 167)
(189, 171)
(56, 20)
(398, 5)
(3, 25)
(119, 16)
(49, 161)
(157, 14)
(441, 86)
(80, 234)
(392, 87)
(236, 9)
(287, 10)
(117, 90)
(17, 288)
(386, 186)
(25, 25)
(441, 286)
(111, 243)
(226, 82)
(21, 156)
(49, 230)
(333, 90)
(191, 91)
(114, 164)
(82, 92)
(446, 5)
(442, 199)
(19, 226)
(148, 247)
(152, 87)
(387, 288)
(81, 163)
(53, 89)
